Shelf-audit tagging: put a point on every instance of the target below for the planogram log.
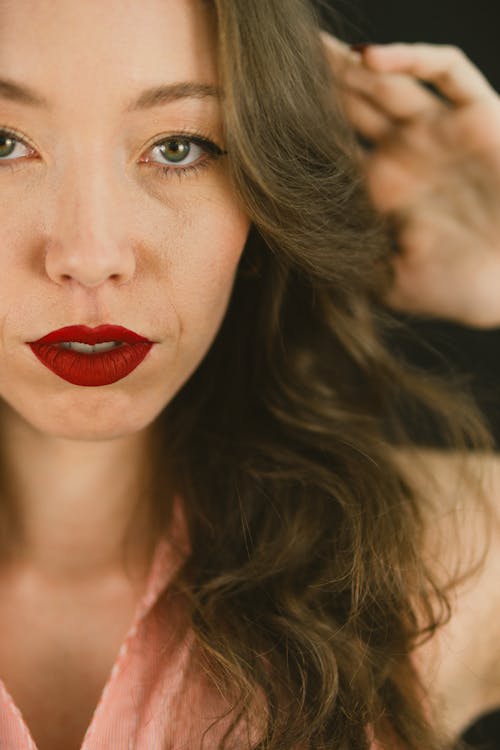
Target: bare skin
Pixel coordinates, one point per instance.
(460, 665)
(57, 648)
(433, 169)
(93, 232)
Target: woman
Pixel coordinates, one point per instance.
(210, 537)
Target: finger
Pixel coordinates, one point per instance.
(336, 49)
(446, 67)
(398, 95)
(365, 118)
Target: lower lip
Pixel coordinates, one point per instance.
(101, 368)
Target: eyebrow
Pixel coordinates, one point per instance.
(152, 97)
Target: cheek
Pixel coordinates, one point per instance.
(205, 267)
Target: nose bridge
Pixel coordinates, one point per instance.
(88, 234)
(85, 190)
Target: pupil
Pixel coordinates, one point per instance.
(176, 149)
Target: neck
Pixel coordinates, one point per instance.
(72, 509)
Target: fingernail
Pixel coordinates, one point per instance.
(359, 47)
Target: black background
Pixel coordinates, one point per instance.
(473, 27)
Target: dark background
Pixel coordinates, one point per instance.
(473, 27)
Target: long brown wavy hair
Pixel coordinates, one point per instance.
(307, 578)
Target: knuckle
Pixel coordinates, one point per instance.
(382, 88)
(455, 54)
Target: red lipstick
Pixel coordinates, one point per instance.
(91, 368)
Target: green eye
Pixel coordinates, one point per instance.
(175, 149)
(7, 144)
(183, 154)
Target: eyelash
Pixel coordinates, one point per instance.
(212, 150)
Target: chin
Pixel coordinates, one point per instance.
(90, 419)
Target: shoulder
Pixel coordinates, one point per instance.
(460, 494)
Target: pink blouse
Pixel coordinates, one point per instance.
(156, 697)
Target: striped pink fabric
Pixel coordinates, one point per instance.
(157, 697)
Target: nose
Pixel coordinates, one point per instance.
(87, 240)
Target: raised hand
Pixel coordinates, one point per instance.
(433, 169)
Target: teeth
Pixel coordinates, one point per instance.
(89, 348)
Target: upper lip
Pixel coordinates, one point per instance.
(86, 335)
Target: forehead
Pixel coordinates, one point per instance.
(78, 48)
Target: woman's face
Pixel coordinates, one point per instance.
(93, 230)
